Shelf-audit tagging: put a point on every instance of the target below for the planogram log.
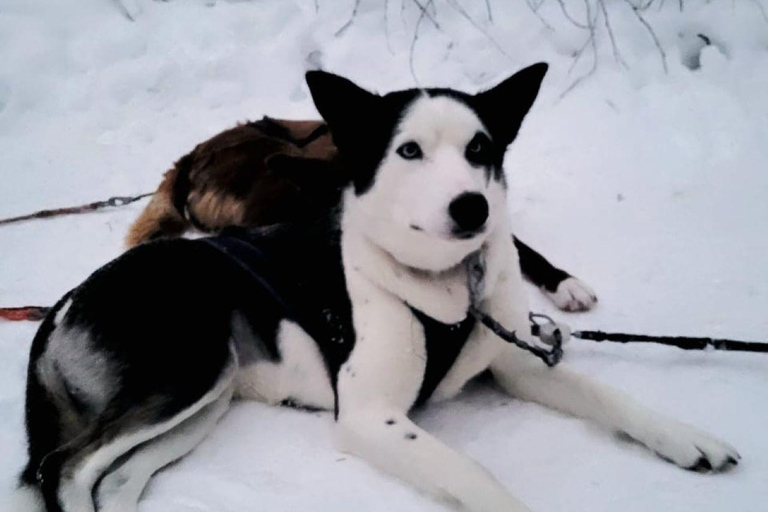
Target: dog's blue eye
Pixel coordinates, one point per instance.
(410, 151)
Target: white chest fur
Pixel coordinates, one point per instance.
(389, 357)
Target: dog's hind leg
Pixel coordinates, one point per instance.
(69, 475)
(121, 488)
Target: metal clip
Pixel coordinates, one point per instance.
(549, 332)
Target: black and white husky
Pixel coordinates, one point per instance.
(364, 312)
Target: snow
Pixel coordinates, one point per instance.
(648, 185)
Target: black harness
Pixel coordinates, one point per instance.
(249, 258)
(443, 342)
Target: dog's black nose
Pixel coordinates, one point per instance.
(469, 212)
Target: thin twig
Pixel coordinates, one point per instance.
(535, 10)
(474, 23)
(488, 9)
(424, 8)
(578, 54)
(593, 44)
(416, 38)
(644, 7)
(609, 29)
(761, 9)
(571, 18)
(652, 33)
(386, 27)
(350, 21)
(121, 6)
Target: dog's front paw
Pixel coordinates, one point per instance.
(692, 449)
(573, 294)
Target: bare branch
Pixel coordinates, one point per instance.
(350, 21)
(488, 9)
(652, 33)
(416, 38)
(761, 9)
(592, 41)
(644, 7)
(535, 10)
(129, 12)
(386, 27)
(609, 29)
(424, 8)
(571, 18)
(469, 18)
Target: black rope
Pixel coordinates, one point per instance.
(683, 342)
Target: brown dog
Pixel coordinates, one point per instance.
(272, 171)
(255, 174)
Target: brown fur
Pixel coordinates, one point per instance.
(160, 218)
(255, 174)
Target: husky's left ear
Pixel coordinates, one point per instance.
(503, 107)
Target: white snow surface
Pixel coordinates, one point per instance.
(650, 186)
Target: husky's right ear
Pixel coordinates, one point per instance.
(344, 106)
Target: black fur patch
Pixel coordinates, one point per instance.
(536, 268)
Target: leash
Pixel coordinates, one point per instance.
(36, 313)
(85, 208)
(31, 313)
(555, 334)
(552, 336)
(683, 342)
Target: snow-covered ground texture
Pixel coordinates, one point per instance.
(650, 185)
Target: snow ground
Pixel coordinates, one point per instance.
(650, 186)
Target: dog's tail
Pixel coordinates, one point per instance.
(161, 218)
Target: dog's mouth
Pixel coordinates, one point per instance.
(455, 234)
(462, 234)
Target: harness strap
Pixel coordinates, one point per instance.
(250, 259)
(272, 128)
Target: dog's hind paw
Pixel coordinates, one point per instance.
(573, 294)
(692, 449)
